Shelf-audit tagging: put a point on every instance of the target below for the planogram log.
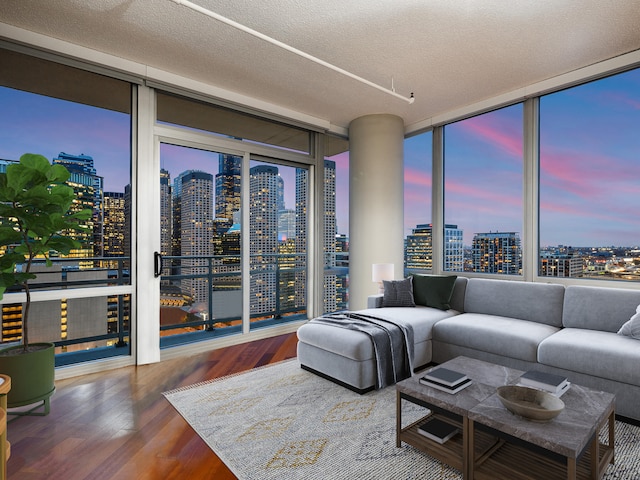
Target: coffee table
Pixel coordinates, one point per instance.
(493, 443)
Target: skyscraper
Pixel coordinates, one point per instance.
(497, 252)
(114, 224)
(329, 213)
(196, 229)
(88, 187)
(228, 196)
(453, 260)
(166, 214)
(561, 264)
(418, 249)
(263, 238)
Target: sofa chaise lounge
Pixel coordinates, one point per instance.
(570, 330)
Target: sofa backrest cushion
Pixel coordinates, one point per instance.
(599, 308)
(433, 290)
(536, 302)
(459, 291)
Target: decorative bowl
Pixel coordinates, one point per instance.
(530, 403)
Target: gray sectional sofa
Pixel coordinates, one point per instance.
(564, 330)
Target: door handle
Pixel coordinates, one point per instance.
(157, 264)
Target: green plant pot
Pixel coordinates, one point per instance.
(32, 374)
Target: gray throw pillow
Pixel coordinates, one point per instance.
(632, 327)
(398, 293)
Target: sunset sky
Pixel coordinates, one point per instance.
(589, 157)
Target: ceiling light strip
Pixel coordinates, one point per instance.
(289, 48)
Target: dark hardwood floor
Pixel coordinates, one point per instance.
(117, 424)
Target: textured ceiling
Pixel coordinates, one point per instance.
(448, 53)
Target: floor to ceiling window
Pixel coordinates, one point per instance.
(418, 229)
(336, 225)
(82, 121)
(233, 234)
(483, 176)
(590, 180)
(200, 287)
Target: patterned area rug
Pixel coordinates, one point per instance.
(281, 422)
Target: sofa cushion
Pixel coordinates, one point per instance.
(598, 308)
(357, 345)
(495, 334)
(398, 293)
(600, 354)
(421, 318)
(536, 302)
(433, 290)
(632, 327)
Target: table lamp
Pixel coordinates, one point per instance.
(380, 272)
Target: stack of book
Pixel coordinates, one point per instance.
(446, 380)
(437, 430)
(555, 384)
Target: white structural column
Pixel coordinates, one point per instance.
(376, 201)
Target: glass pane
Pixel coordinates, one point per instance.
(83, 121)
(590, 180)
(176, 110)
(336, 223)
(100, 171)
(277, 242)
(418, 253)
(483, 192)
(200, 286)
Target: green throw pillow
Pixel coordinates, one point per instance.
(433, 290)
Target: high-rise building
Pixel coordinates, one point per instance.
(263, 238)
(329, 248)
(114, 224)
(418, 248)
(88, 186)
(561, 264)
(228, 196)
(453, 260)
(127, 219)
(497, 252)
(196, 228)
(166, 213)
(286, 224)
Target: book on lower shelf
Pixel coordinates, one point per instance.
(446, 388)
(437, 430)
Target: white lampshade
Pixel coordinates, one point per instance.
(382, 271)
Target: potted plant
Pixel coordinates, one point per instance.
(36, 218)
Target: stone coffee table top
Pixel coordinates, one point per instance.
(567, 434)
(486, 378)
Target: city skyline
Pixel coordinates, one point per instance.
(589, 161)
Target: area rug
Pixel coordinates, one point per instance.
(282, 422)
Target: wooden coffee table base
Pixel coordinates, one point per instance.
(494, 444)
(506, 460)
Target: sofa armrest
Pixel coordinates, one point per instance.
(374, 301)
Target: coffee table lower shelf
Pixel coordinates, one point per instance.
(511, 462)
(452, 452)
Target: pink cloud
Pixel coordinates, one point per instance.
(478, 198)
(583, 174)
(416, 178)
(505, 137)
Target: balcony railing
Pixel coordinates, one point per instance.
(207, 290)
